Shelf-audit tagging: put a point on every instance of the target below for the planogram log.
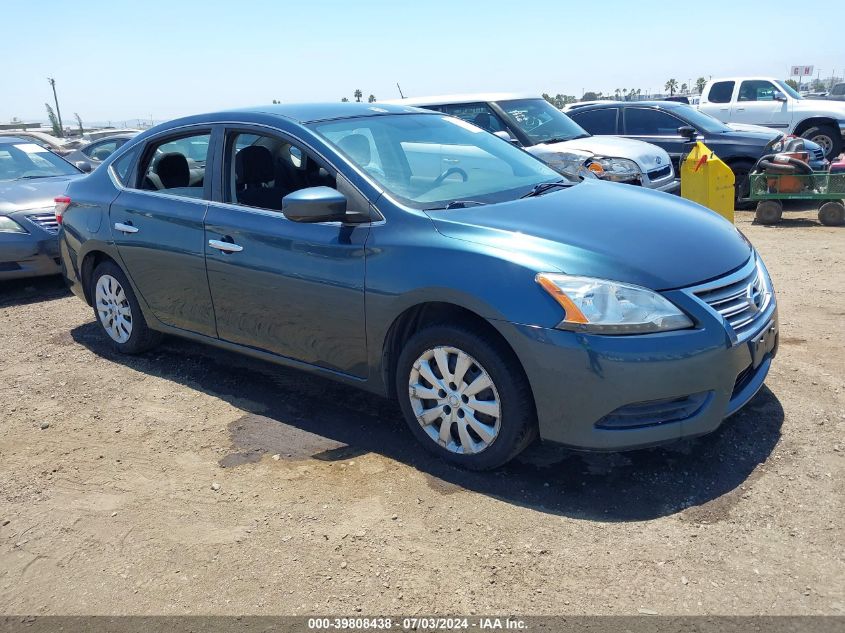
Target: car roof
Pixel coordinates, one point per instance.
(8, 139)
(311, 112)
(665, 105)
(460, 98)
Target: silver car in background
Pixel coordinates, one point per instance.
(31, 177)
(543, 130)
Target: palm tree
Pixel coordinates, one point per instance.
(344, 100)
(358, 94)
(371, 99)
(618, 92)
(684, 88)
(671, 86)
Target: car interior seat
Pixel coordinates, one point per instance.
(255, 178)
(173, 171)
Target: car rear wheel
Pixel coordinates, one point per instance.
(464, 397)
(118, 313)
(826, 136)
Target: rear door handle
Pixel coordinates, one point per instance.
(226, 247)
(125, 228)
(740, 109)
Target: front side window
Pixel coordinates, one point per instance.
(177, 166)
(479, 114)
(29, 161)
(600, 121)
(540, 121)
(429, 160)
(648, 122)
(262, 169)
(721, 92)
(757, 90)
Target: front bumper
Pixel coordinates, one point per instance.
(584, 384)
(672, 186)
(28, 255)
(842, 129)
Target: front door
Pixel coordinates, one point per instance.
(290, 288)
(157, 225)
(657, 127)
(757, 104)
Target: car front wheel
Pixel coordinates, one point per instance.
(118, 313)
(465, 397)
(827, 137)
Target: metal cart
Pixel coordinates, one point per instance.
(769, 190)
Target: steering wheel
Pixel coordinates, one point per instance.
(452, 170)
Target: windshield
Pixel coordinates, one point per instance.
(788, 89)
(699, 119)
(430, 160)
(540, 121)
(27, 160)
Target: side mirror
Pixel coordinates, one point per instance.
(779, 96)
(688, 131)
(314, 204)
(84, 166)
(506, 135)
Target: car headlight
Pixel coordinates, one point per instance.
(8, 225)
(601, 306)
(615, 169)
(571, 164)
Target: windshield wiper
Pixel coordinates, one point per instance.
(543, 187)
(457, 204)
(559, 139)
(31, 177)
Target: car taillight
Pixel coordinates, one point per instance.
(62, 203)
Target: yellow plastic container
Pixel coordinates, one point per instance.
(705, 179)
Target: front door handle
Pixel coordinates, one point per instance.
(125, 228)
(740, 109)
(226, 247)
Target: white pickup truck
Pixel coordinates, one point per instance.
(774, 104)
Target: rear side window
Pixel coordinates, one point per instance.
(721, 92)
(122, 165)
(647, 122)
(602, 121)
(176, 166)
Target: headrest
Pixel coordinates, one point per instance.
(173, 170)
(254, 165)
(357, 146)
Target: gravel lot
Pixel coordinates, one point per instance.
(190, 480)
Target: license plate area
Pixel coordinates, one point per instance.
(764, 343)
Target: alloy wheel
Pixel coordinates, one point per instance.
(455, 400)
(113, 309)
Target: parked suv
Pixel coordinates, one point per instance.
(674, 126)
(495, 299)
(773, 103)
(543, 130)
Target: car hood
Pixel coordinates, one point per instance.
(36, 193)
(836, 108)
(646, 155)
(606, 230)
(755, 130)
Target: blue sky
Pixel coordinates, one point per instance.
(165, 58)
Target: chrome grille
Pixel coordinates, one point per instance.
(818, 153)
(657, 174)
(740, 301)
(46, 221)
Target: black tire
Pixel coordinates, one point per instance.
(742, 183)
(828, 137)
(769, 212)
(141, 338)
(518, 417)
(832, 213)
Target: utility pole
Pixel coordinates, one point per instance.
(56, 99)
(400, 90)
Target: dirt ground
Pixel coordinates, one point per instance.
(190, 480)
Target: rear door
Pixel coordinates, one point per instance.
(717, 101)
(290, 288)
(157, 225)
